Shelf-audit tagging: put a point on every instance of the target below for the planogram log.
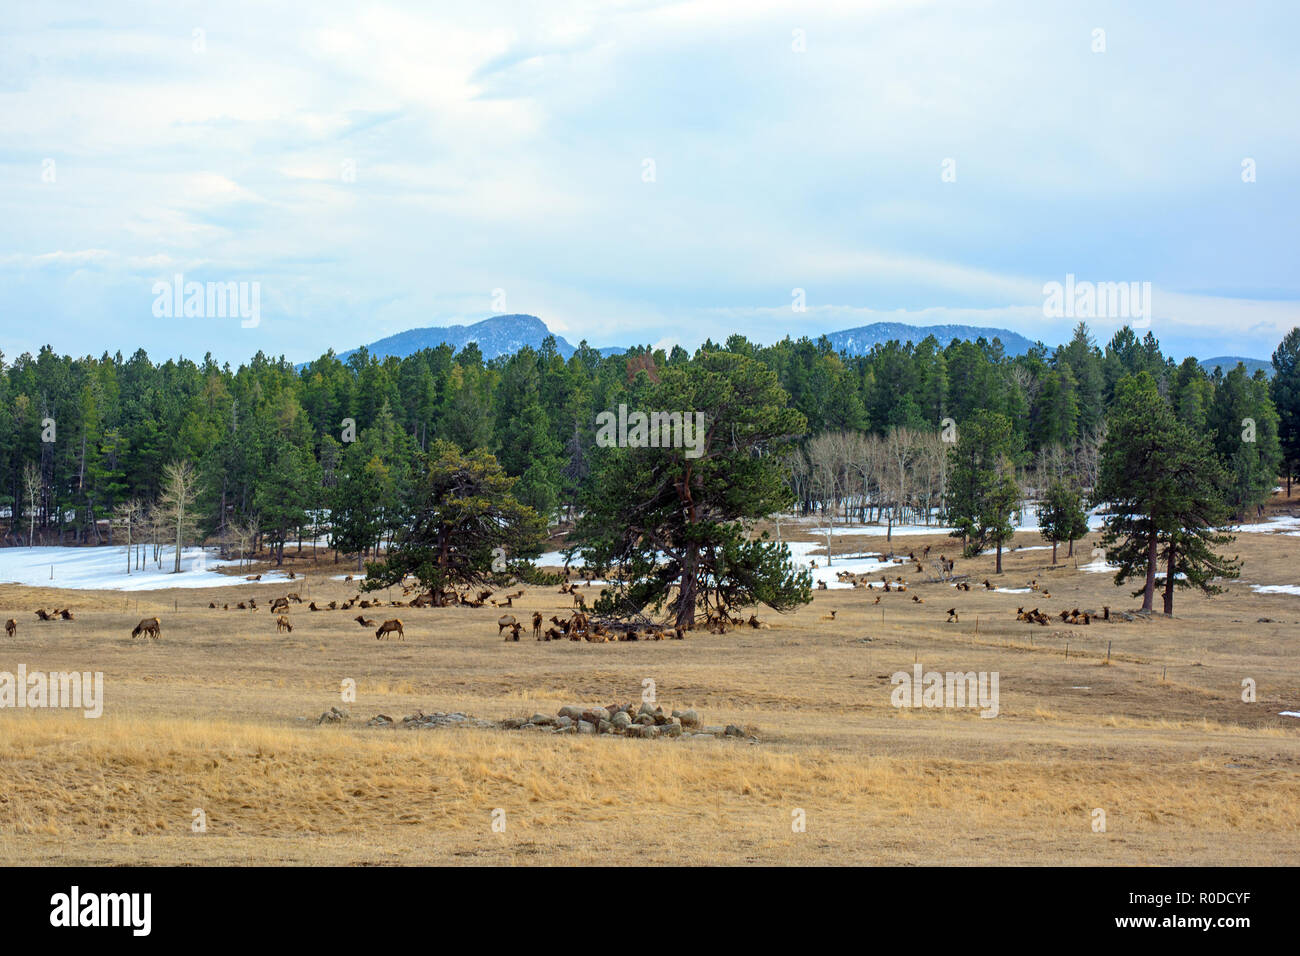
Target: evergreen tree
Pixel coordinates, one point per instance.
(982, 488)
(1061, 516)
(671, 519)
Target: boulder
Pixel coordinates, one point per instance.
(570, 711)
(586, 727)
(689, 718)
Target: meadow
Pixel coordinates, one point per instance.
(1143, 719)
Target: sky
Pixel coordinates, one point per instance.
(642, 172)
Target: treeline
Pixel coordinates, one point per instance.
(274, 449)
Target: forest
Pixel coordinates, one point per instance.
(266, 455)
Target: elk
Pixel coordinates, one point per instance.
(312, 606)
(537, 625)
(952, 616)
(212, 604)
(253, 577)
(11, 627)
(293, 596)
(388, 627)
(43, 614)
(504, 621)
(66, 614)
(364, 621)
(829, 617)
(149, 626)
(282, 624)
(279, 604)
(917, 599)
(877, 600)
(552, 634)
(515, 628)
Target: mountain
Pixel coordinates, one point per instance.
(498, 335)
(1229, 362)
(860, 340)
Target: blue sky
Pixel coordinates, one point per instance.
(499, 146)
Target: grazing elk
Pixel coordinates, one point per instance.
(282, 624)
(150, 627)
(388, 627)
(11, 627)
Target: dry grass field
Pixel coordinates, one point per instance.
(220, 715)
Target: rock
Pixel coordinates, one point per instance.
(586, 727)
(670, 730)
(647, 708)
(689, 718)
(604, 727)
(513, 723)
(646, 720)
(621, 721)
(569, 728)
(701, 736)
(595, 715)
(342, 714)
(715, 731)
(542, 720)
(563, 721)
(734, 731)
(572, 712)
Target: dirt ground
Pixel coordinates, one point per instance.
(220, 717)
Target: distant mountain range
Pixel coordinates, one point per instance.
(507, 334)
(859, 341)
(498, 335)
(1229, 362)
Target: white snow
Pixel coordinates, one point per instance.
(104, 569)
(1281, 524)
(1276, 588)
(1288, 713)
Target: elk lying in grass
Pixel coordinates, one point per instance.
(388, 627)
(44, 615)
(282, 624)
(364, 621)
(150, 627)
(279, 604)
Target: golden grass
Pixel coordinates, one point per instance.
(220, 716)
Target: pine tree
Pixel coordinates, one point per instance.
(464, 516)
(1165, 490)
(1286, 399)
(982, 488)
(671, 519)
(1061, 516)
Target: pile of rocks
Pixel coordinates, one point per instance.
(420, 719)
(628, 720)
(334, 716)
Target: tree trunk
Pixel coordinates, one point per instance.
(687, 596)
(1053, 553)
(1169, 583)
(999, 570)
(1149, 592)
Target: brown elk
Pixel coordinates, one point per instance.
(388, 627)
(293, 596)
(150, 627)
(537, 625)
(514, 632)
(504, 621)
(552, 634)
(282, 624)
(11, 627)
(279, 604)
(253, 577)
(44, 615)
(952, 616)
(66, 614)
(364, 621)
(312, 606)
